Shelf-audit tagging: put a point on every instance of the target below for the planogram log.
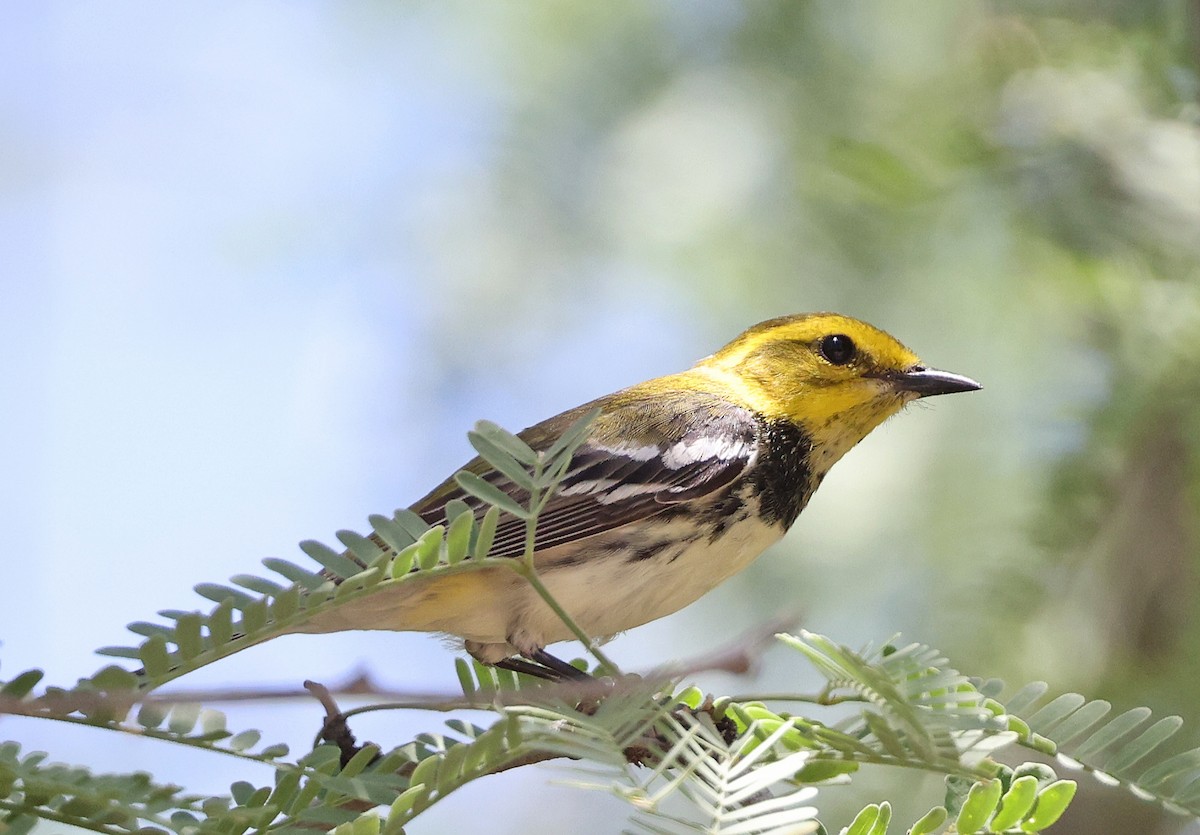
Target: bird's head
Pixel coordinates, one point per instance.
(834, 376)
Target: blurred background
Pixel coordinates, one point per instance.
(263, 265)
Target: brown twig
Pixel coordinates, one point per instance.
(737, 658)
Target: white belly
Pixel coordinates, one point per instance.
(611, 594)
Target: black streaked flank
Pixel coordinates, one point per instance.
(722, 514)
(649, 550)
(782, 478)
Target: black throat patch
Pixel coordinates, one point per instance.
(782, 475)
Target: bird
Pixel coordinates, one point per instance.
(680, 482)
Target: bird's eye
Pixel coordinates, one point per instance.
(839, 349)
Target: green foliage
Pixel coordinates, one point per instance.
(736, 766)
(684, 762)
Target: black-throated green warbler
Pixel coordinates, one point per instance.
(683, 480)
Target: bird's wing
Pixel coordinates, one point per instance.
(612, 482)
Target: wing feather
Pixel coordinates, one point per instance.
(690, 451)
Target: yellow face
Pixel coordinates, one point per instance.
(820, 369)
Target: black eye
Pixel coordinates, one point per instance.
(838, 349)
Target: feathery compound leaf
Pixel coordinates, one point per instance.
(1080, 721)
(1057, 710)
(300, 576)
(1098, 743)
(218, 593)
(504, 463)
(255, 584)
(978, 807)
(506, 441)
(1145, 743)
(487, 533)
(22, 685)
(458, 537)
(35, 790)
(188, 637)
(154, 656)
(337, 564)
(402, 563)
(1052, 801)
(487, 492)
(360, 547)
(566, 444)
(1026, 697)
(868, 820)
(412, 524)
(1015, 804)
(930, 822)
(396, 537)
(285, 605)
(220, 624)
(1076, 727)
(429, 547)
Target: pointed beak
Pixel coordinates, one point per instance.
(926, 382)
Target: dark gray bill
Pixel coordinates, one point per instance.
(927, 382)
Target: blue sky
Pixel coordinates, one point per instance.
(247, 298)
(218, 330)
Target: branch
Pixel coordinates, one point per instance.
(737, 658)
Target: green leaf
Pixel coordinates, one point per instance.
(259, 585)
(285, 605)
(1113, 731)
(465, 679)
(220, 624)
(396, 537)
(362, 548)
(1145, 743)
(426, 770)
(110, 679)
(187, 635)
(337, 564)
(978, 807)
(487, 532)
(183, 718)
(1016, 803)
(1180, 766)
(489, 493)
(501, 461)
(429, 547)
(402, 563)
(458, 537)
(1052, 801)
(930, 822)
(245, 740)
(1081, 721)
(22, 685)
(400, 808)
(368, 824)
(254, 617)
(412, 524)
(566, 443)
(864, 822)
(154, 656)
(1045, 719)
(511, 445)
(823, 770)
(1025, 698)
(217, 593)
(151, 715)
(300, 576)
